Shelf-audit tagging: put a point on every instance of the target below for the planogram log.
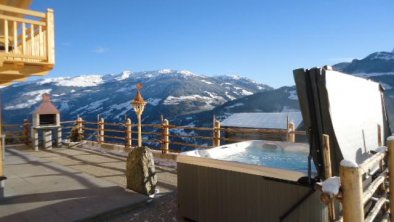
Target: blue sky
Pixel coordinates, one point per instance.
(262, 40)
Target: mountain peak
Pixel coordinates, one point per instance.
(381, 56)
(124, 75)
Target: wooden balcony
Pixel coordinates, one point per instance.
(27, 46)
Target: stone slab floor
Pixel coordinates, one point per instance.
(76, 184)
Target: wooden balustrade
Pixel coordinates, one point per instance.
(164, 135)
(28, 39)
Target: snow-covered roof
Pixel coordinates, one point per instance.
(263, 120)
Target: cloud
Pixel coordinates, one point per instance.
(100, 50)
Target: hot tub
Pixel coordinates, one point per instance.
(248, 181)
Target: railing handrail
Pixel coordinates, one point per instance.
(166, 133)
(22, 11)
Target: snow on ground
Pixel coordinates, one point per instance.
(207, 82)
(125, 75)
(243, 91)
(331, 186)
(79, 81)
(126, 106)
(383, 56)
(37, 92)
(212, 99)
(153, 101)
(349, 163)
(235, 77)
(165, 71)
(90, 107)
(293, 95)
(246, 92)
(230, 96)
(37, 97)
(186, 72)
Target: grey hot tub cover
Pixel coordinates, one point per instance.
(347, 108)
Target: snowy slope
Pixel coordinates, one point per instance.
(168, 92)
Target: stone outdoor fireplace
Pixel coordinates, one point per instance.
(46, 121)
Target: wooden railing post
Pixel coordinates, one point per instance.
(290, 132)
(50, 31)
(216, 134)
(328, 173)
(80, 128)
(101, 131)
(166, 134)
(390, 147)
(128, 137)
(26, 131)
(352, 193)
(380, 135)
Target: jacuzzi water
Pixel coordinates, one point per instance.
(290, 156)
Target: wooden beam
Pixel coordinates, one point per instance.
(22, 11)
(28, 21)
(50, 37)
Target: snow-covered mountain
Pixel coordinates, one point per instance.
(168, 92)
(181, 96)
(378, 66)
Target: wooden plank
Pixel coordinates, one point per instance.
(15, 36)
(375, 210)
(373, 187)
(11, 54)
(23, 38)
(22, 11)
(372, 162)
(22, 20)
(50, 37)
(6, 36)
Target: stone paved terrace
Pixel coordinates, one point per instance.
(80, 183)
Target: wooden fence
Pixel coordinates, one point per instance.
(164, 136)
(364, 188)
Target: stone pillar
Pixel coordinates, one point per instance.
(47, 139)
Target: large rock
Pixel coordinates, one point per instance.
(140, 171)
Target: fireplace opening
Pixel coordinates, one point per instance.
(48, 119)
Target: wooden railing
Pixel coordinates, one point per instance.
(27, 36)
(365, 189)
(164, 136)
